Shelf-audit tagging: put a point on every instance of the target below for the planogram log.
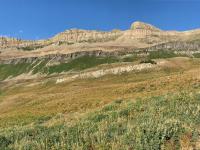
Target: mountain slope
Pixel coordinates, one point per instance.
(133, 89)
(140, 35)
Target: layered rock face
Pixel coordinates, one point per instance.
(143, 26)
(76, 35)
(140, 36)
(6, 42)
(58, 58)
(9, 42)
(177, 46)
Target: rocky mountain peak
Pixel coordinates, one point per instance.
(143, 26)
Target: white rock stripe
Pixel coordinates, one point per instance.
(102, 72)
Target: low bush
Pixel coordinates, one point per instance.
(147, 61)
(196, 55)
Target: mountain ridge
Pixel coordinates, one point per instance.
(139, 36)
(134, 26)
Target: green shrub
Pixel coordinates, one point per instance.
(161, 54)
(148, 61)
(196, 55)
(31, 47)
(4, 142)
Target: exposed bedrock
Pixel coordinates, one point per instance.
(178, 46)
(60, 57)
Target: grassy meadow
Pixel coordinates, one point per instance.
(151, 109)
(162, 122)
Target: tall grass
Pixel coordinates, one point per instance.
(155, 123)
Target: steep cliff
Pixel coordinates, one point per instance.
(76, 35)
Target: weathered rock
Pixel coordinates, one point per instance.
(102, 72)
(177, 46)
(61, 58)
(73, 43)
(143, 26)
(75, 35)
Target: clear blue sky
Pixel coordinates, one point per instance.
(38, 19)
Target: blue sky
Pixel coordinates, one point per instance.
(39, 19)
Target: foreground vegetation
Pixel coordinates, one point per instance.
(163, 122)
(84, 114)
